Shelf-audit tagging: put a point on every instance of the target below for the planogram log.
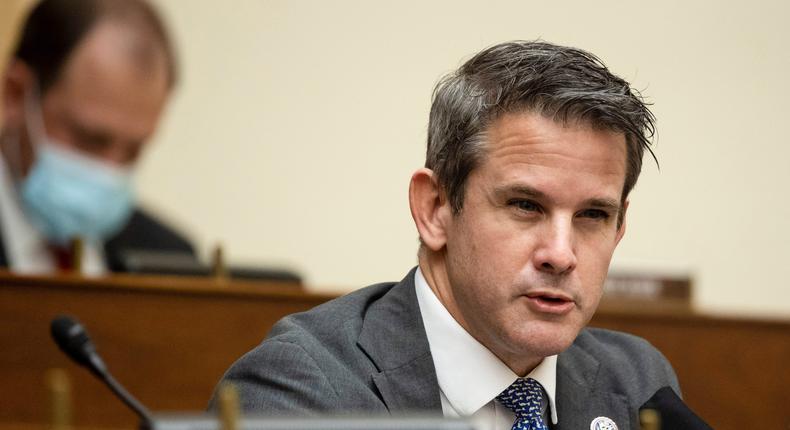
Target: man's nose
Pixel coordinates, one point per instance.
(556, 253)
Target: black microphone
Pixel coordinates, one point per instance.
(74, 341)
(673, 412)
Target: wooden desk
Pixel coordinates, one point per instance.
(733, 371)
(170, 339)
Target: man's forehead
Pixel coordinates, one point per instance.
(107, 56)
(524, 150)
(103, 88)
(522, 130)
(535, 115)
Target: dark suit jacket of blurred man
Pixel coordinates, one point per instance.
(142, 232)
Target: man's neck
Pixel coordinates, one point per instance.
(434, 270)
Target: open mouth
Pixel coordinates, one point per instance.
(552, 304)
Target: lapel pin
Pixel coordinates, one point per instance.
(603, 423)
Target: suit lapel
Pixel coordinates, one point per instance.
(580, 399)
(393, 336)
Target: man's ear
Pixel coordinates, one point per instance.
(17, 81)
(429, 208)
(621, 227)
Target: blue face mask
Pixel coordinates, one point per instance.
(68, 195)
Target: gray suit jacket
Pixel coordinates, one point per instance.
(367, 352)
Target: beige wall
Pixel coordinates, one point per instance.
(11, 13)
(298, 123)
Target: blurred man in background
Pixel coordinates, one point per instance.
(82, 94)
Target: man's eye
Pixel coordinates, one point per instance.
(525, 205)
(594, 214)
(93, 142)
(90, 141)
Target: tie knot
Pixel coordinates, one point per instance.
(523, 397)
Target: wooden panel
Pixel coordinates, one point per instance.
(168, 340)
(733, 371)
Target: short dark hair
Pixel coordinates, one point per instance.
(562, 83)
(54, 28)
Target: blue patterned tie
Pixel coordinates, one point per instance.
(523, 397)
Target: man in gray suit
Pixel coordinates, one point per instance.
(533, 149)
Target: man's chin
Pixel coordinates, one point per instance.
(544, 340)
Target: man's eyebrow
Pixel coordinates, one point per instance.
(86, 130)
(524, 190)
(604, 203)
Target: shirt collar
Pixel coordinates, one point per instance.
(26, 250)
(474, 381)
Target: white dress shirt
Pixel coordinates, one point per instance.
(470, 376)
(26, 248)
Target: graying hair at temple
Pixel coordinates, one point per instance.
(562, 83)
